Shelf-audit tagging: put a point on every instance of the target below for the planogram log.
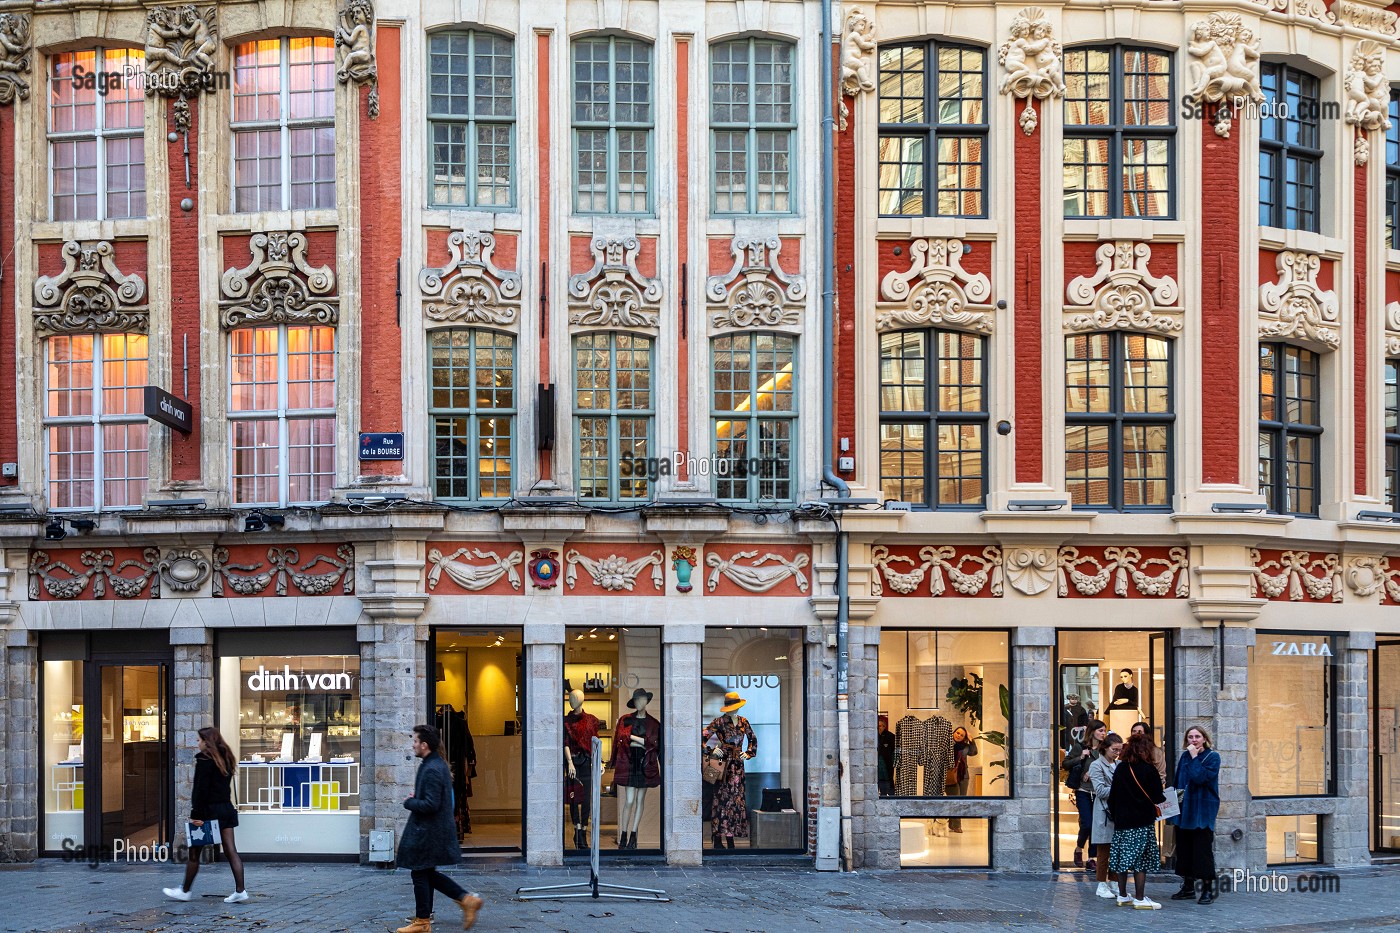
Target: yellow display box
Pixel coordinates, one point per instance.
(325, 795)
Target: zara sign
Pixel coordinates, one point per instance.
(1306, 649)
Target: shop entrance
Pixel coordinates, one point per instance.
(1385, 699)
(478, 704)
(131, 786)
(1120, 678)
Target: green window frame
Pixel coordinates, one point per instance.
(614, 415)
(754, 416)
(471, 120)
(753, 118)
(472, 405)
(613, 125)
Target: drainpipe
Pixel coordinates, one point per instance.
(829, 477)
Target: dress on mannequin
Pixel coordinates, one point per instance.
(908, 749)
(636, 764)
(580, 729)
(730, 808)
(938, 754)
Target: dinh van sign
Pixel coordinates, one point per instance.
(264, 679)
(1306, 649)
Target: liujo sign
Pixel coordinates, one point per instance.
(263, 679)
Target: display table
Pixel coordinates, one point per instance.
(66, 781)
(781, 829)
(298, 785)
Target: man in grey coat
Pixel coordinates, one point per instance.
(430, 838)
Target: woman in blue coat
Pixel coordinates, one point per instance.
(1198, 776)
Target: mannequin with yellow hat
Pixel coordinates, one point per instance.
(730, 738)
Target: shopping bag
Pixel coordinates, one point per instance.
(1171, 806)
(206, 834)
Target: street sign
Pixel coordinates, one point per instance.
(170, 410)
(381, 446)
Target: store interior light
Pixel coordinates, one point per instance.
(612, 636)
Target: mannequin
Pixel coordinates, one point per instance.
(724, 739)
(1123, 709)
(636, 764)
(580, 728)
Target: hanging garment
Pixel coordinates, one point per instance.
(730, 808)
(938, 754)
(908, 750)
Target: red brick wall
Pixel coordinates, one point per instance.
(844, 332)
(1360, 245)
(542, 100)
(9, 405)
(682, 256)
(1220, 307)
(184, 286)
(1030, 369)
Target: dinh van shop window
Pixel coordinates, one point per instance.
(471, 118)
(97, 135)
(1291, 683)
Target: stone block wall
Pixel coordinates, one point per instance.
(393, 655)
(19, 765)
(192, 708)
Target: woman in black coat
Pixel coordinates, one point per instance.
(1132, 804)
(211, 799)
(430, 838)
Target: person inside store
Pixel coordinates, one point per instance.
(725, 739)
(211, 800)
(1159, 757)
(430, 836)
(1198, 775)
(1072, 716)
(1132, 805)
(1123, 709)
(885, 755)
(956, 781)
(1100, 781)
(1073, 770)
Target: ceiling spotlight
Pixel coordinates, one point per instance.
(259, 521)
(54, 531)
(612, 636)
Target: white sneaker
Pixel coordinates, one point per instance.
(1123, 901)
(1105, 890)
(176, 894)
(237, 897)
(1146, 903)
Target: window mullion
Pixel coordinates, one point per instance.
(284, 98)
(97, 448)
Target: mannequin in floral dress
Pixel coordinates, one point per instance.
(724, 739)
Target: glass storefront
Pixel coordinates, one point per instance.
(1290, 715)
(478, 702)
(1385, 744)
(63, 738)
(293, 722)
(751, 734)
(1293, 840)
(956, 843)
(613, 689)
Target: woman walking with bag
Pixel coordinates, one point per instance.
(1132, 804)
(1076, 769)
(1100, 781)
(210, 799)
(1198, 773)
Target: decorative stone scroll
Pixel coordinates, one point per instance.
(184, 570)
(61, 581)
(756, 577)
(1392, 329)
(935, 290)
(474, 577)
(91, 294)
(756, 292)
(1311, 9)
(1224, 66)
(1031, 59)
(1367, 96)
(1150, 576)
(470, 289)
(1363, 16)
(354, 44)
(614, 573)
(278, 286)
(613, 293)
(1297, 573)
(1030, 570)
(1295, 306)
(15, 52)
(857, 59)
(280, 567)
(1372, 576)
(1123, 293)
(933, 564)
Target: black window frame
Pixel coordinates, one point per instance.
(1391, 408)
(1280, 431)
(932, 129)
(1392, 173)
(1118, 418)
(1278, 153)
(932, 417)
(1119, 131)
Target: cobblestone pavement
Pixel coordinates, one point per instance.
(53, 896)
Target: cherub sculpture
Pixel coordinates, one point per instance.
(1031, 58)
(858, 55)
(14, 57)
(199, 29)
(354, 37)
(1225, 64)
(1367, 90)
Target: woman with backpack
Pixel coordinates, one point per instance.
(1132, 805)
(1198, 774)
(1075, 769)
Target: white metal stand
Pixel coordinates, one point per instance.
(593, 887)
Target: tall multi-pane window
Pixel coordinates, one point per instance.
(1120, 133)
(1392, 174)
(282, 414)
(1118, 421)
(613, 414)
(472, 407)
(933, 130)
(1392, 435)
(1290, 428)
(97, 127)
(613, 122)
(752, 123)
(284, 124)
(754, 416)
(1290, 153)
(94, 420)
(933, 418)
(471, 118)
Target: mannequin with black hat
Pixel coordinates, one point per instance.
(731, 739)
(636, 764)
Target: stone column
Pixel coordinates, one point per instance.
(682, 835)
(544, 744)
(19, 764)
(1346, 835)
(1023, 836)
(1231, 740)
(870, 838)
(192, 706)
(393, 699)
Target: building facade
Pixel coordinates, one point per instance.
(490, 347)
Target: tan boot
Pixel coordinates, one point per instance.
(470, 905)
(417, 925)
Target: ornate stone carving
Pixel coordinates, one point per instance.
(1121, 564)
(14, 57)
(278, 286)
(755, 577)
(1295, 573)
(1371, 576)
(1122, 293)
(474, 577)
(354, 42)
(1224, 66)
(748, 296)
(939, 560)
(1030, 570)
(1392, 329)
(1362, 16)
(102, 571)
(281, 566)
(1295, 306)
(470, 289)
(857, 58)
(1367, 96)
(1031, 58)
(614, 573)
(613, 293)
(90, 294)
(184, 570)
(1311, 9)
(944, 294)
(181, 43)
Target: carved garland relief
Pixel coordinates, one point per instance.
(180, 570)
(91, 294)
(1150, 576)
(1122, 293)
(471, 576)
(1373, 576)
(935, 290)
(1295, 306)
(1297, 573)
(755, 292)
(470, 289)
(969, 573)
(280, 567)
(613, 293)
(278, 286)
(614, 573)
(760, 575)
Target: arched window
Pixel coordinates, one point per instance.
(472, 406)
(754, 416)
(752, 123)
(613, 122)
(471, 118)
(97, 130)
